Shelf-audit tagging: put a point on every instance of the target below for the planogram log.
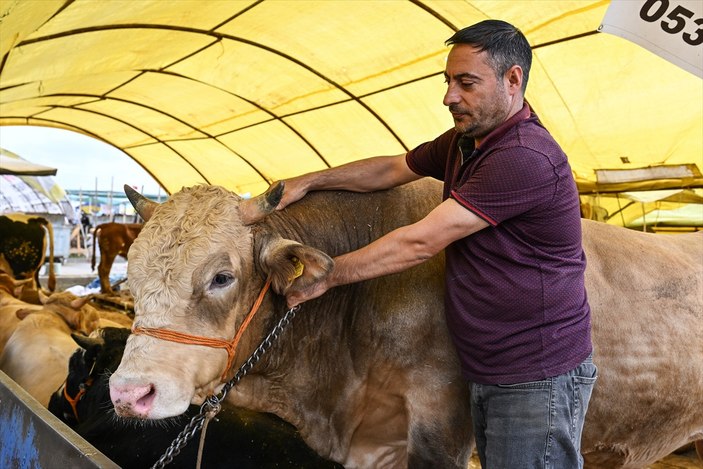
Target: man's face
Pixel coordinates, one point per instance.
(477, 100)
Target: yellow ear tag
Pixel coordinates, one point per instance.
(299, 267)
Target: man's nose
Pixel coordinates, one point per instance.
(451, 96)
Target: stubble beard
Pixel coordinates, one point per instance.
(484, 120)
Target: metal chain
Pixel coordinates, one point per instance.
(212, 404)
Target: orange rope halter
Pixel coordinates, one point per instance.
(73, 401)
(229, 346)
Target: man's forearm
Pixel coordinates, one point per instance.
(395, 252)
(367, 175)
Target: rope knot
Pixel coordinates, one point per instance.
(211, 406)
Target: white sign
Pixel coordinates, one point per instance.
(672, 29)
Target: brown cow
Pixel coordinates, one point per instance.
(10, 290)
(36, 354)
(366, 372)
(115, 240)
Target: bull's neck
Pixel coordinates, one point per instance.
(327, 221)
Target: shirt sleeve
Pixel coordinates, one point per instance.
(430, 158)
(507, 183)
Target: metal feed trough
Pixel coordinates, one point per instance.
(31, 436)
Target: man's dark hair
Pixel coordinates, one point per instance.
(505, 44)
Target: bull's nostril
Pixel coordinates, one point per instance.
(147, 398)
(144, 404)
(133, 401)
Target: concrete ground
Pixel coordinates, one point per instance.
(76, 271)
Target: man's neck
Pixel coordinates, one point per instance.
(513, 110)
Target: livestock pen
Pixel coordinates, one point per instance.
(30, 436)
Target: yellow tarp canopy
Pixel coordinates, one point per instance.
(242, 93)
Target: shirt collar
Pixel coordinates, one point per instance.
(501, 130)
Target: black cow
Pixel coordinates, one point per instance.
(237, 438)
(23, 247)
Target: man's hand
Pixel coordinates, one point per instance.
(295, 297)
(294, 190)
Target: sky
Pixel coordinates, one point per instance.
(81, 161)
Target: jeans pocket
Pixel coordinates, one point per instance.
(583, 382)
(541, 384)
(586, 372)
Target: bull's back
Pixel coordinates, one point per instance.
(622, 262)
(116, 238)
(36, 354)
(646, 297)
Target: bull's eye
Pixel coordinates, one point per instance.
(221, 280)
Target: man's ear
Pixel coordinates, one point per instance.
(514, 78)
(290, 263)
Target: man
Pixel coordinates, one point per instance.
(510, 225)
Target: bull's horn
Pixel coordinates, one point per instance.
(257, 208)
(143, 206)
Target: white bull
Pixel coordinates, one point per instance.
(351, 373)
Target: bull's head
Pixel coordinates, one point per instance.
(252, 210)
(196, 268)
(75, 311)
(10, 285)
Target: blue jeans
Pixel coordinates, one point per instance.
(533, 425)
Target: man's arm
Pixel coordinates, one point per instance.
(399, 250)
(367, 175)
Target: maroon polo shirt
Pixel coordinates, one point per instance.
(516, 303)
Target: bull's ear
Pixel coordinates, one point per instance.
(143, 206)
(24, 312)
(257, 208)
(291, 263)
(72, 318)
(88, 321)
(81, 301)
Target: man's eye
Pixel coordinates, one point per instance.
(221, 280)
